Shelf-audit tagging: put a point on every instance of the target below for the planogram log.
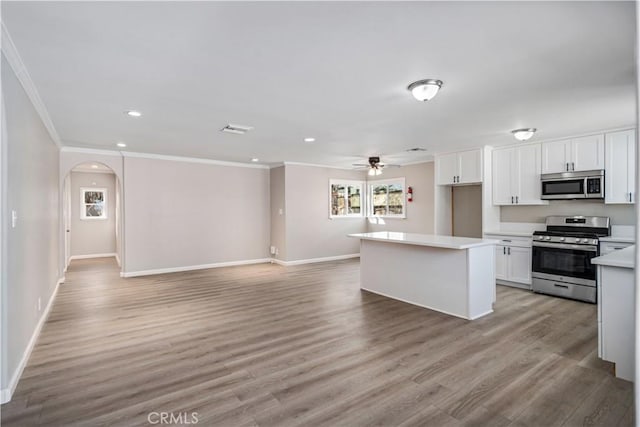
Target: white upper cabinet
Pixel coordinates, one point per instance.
(464, 167)
(503, 161)
(577, 154)
(470, 163)
(587, 153)
(516, 175)
(620, 167)
(447, 166)
(555, 156)
(529, 159)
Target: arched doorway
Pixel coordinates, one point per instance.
(91, 212)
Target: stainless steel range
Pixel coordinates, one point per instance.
(562, 256)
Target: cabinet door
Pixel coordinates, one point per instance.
(470, 166)
(447, 168)
(501, 262)
(618, 161)
(631, 165)
(587, 153)
(555, 156)
(527, 177)
(502, 164)
(519, 264)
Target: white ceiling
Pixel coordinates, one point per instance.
(336, 71)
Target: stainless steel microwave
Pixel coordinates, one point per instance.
(573, 185)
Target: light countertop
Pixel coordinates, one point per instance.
(432, 240)
(622, 258)
(618, 239)
(510, 233)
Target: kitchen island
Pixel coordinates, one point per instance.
(616, 310)
(452, 275)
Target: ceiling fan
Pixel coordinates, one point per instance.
(374, 166)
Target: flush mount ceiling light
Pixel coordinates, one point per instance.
(121, 144)
(237, 129)
(255, 159)
(425, 90)
(309, 140)
(94, 166)
(133, 113)
(523, 134)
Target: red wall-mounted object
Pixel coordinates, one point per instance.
(410, 194)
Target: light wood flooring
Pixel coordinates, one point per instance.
(281, 346)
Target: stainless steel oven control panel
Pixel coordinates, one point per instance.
(571, 240)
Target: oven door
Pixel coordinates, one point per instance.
(564, 262)
(573, 188)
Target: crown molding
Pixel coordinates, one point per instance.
(314, 165)
(15, 61)
(192, 160)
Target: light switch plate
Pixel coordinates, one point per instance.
(14, 219)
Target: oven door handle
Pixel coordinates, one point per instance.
(586, 248)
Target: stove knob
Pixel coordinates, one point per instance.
(547, 238)
(540, 237)
(562, 239)
(585, 240)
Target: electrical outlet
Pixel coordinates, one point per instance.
(280, 211)
(273, 250)
(39, 305)
(14, 219)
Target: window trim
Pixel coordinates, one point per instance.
(347, 183)
(388, 181)
(83, 205)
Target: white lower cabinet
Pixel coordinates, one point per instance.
(616, 325)
(513, 260)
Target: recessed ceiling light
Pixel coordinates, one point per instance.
(425, 90)
(523, 134)
(133, 113)
(94, 166)
(121, 144)
(309, 140)
(255, 159)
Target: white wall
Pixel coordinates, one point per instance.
(420, 212)
(95, 236)
(30, 264)
(309, 231)
(278, 212)
(180, 214)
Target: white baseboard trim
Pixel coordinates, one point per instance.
(72, 257)
(314, 260)
(193, 267)
(7, 393)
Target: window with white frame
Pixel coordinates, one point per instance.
(387, 198)
(93, 203)
(346, 198)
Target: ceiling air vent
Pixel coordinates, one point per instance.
(237, 129)
(412, 150)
